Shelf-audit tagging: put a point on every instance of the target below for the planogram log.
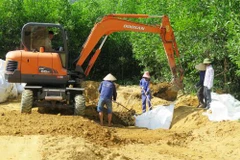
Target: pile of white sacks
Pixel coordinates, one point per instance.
(223, 107)
(8, 90)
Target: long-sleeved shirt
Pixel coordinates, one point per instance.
(107, 90)
(209, 76)
(145, 85)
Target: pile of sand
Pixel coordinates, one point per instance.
(63, 136)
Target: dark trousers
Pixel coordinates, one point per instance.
(207, 96)
(200, 95)
(146, 99)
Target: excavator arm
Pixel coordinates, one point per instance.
(116, 23)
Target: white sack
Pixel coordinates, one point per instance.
(159, 117)
(20, 87)
(223, 107)
(7, 90)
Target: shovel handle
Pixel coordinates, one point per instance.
(147, 97)
(121, 105)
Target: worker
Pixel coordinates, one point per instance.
(208, 82)
(199, 85)
(48, 45)
(145, 91)
(51, 34)
(108, 93)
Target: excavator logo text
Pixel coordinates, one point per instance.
(42, 69)
(134, 27)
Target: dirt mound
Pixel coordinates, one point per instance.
(44, 124)
(164, 91)
(60, 135)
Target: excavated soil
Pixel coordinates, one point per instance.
(57, 134)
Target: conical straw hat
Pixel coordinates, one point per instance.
(207, 61)
(109, 77)
(146, 74)
(200, 67)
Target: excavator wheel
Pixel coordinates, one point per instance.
(27, 101)
(79, 105)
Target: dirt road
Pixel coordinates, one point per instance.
(59, 135)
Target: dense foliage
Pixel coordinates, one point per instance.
(203, 28)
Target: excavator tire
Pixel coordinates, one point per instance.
(79, 105)
(27, 101)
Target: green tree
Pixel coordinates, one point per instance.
(202, 28)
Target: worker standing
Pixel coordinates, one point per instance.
(208, 82)
(145, 91)
(108, 93)
(199, 85)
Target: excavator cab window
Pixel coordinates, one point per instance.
(45, 37)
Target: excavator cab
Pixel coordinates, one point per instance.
(44, 38)
(41, 60)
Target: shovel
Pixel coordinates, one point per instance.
(130, 110)
(148, 99)
(121, 105)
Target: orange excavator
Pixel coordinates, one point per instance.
(45, 69)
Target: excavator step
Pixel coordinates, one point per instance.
(55, 98)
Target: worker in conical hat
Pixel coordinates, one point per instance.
(208, 82)
(145, 91)
(108, 93)
(109, 77)
(199, 85)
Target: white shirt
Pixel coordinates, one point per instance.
(209, 76)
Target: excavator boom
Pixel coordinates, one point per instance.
(116, 23)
